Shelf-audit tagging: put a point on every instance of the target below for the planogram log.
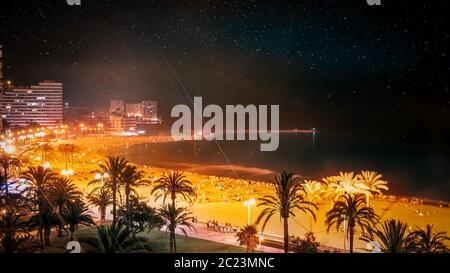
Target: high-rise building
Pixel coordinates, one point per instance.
(38, 104)
(135, 109)
(115, 122)
(131, 115)
(117, 107)
(150, 110)
(129, 123)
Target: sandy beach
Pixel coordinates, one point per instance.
(221, 198)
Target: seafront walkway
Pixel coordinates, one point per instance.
(203, 232)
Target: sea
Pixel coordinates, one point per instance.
(410, 172)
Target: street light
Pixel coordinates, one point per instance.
(67, 173)
(249, 203)
(47, 165)
(99, 176)
(261, 239)
(10, 149)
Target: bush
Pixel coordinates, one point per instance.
(306, 245)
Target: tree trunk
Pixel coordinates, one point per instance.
(171, 241)
(286, 234)
(103, 214)
(41, 229)
(41, 237)
(174, 242)
(7, 248)
(127, 204)
(114, 202)
(61, 225)
(71, 232)
(47, 232)
(352, 231)
(60, 231)
(173, 199)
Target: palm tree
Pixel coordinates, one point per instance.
(313, 192)
(176, 218)
(44, 221)
(428, 241)
(373, 182)
(332, 188)
(45, 149)
(101, 198)
(354, 211)
(9, 165)
(288, 198)
(65, 149)
(13, 231)
(62, 192)
(40, 180)
(174, 184)
(345, 183)
(24, 243)
(115, 239)
(68, 150)
(75, 214)
(114, 167)
(392, 237)
(247, 236)
(331, 179)
(140, 217)
(131, 179)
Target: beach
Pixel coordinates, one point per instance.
(221, 198)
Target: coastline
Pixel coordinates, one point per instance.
(228, 171)
(221, 198)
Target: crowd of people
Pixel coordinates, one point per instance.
(226, 228)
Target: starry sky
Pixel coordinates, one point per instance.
(341, 66)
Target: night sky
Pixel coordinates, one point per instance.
(341, 67)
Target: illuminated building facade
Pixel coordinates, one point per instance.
(135, 109)
(116, 107)
(150, 110)
(40, 104)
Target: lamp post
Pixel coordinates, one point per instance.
(249, 203)
(67, 173)
(100, 176)
(10, 149)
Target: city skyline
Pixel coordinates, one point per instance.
(348, 60)
(225, 126)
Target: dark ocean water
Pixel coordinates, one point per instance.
(410, 171)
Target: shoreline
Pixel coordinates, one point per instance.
(221, 198)
(237, 172)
